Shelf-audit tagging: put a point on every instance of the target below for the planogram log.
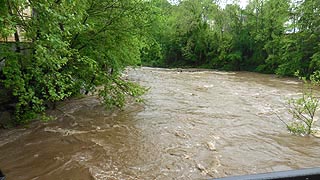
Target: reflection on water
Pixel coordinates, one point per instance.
(193, 125)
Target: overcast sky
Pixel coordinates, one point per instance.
(243, 3)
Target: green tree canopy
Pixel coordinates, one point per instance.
(69, 47)
(269, 36)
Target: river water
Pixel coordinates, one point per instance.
(192, 125)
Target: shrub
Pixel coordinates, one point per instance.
(304, 109)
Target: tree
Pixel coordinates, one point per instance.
(268, 36)
(276, 15)
(71, 46)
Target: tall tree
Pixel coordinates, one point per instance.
(70, 46)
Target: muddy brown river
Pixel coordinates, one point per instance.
(193, 125)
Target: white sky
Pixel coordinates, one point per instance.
(243, 3)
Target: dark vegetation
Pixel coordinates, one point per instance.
(268, 36)
(71, 47)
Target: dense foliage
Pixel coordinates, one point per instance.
(269, 36)
(67, 47)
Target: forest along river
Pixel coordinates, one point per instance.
(193, 125)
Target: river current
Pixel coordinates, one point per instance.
(194, 124)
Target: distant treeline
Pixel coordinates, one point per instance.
(269, 36)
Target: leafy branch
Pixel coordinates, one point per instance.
(304, 108)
